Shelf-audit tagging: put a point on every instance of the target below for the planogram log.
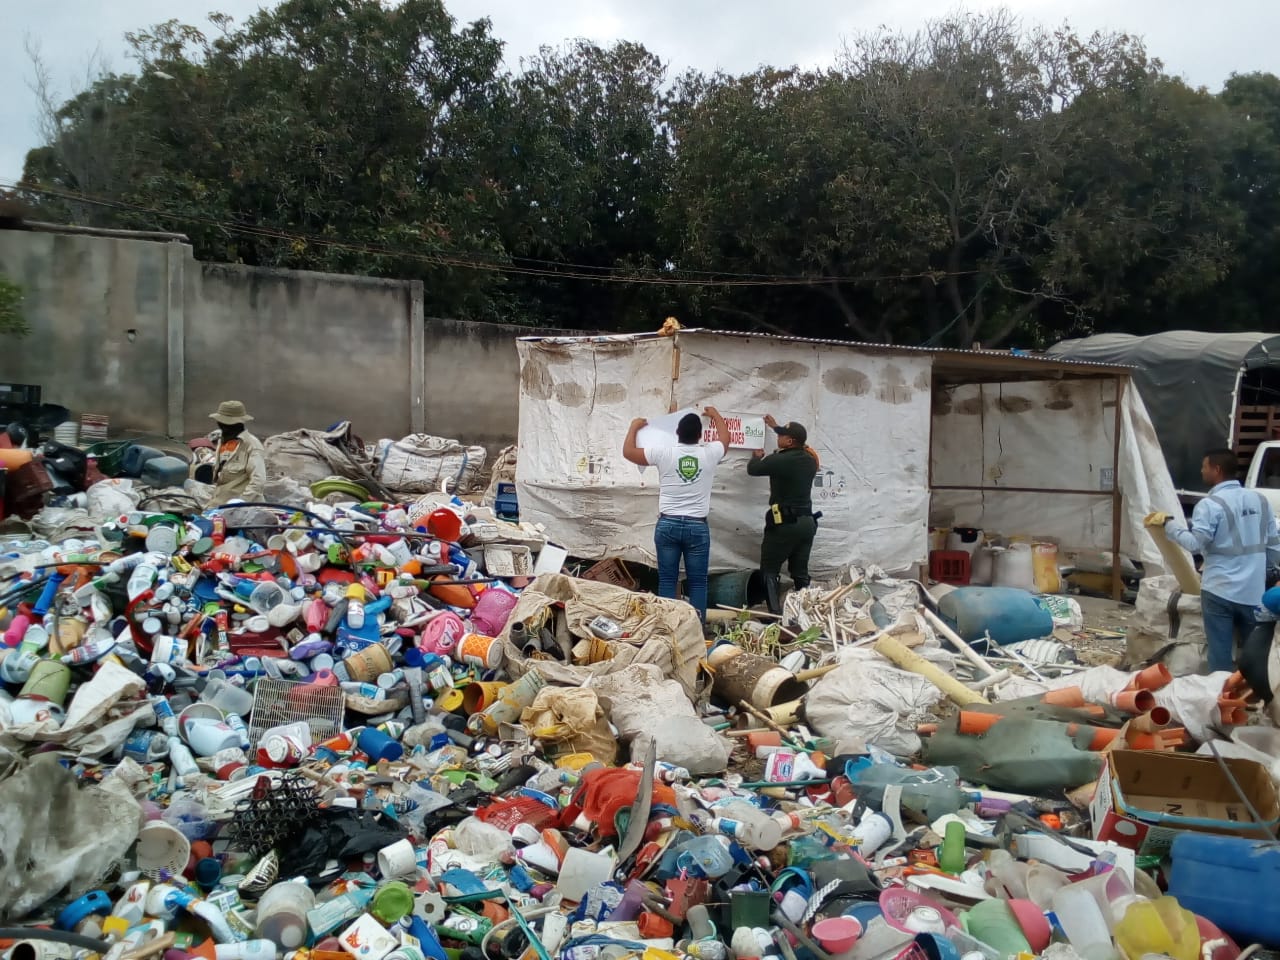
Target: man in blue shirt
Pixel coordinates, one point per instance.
(1235, 531)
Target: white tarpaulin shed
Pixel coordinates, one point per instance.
(1002, 430)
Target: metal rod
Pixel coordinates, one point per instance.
(982, 489)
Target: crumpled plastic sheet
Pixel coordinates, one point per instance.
(869, 698)
(55, 835)
(94, 724)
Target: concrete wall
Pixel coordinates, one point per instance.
(473, 380)
(303, 349)
(99, 316)
(299, 349)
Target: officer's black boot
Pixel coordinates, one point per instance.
(773, 593)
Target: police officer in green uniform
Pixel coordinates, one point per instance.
(790, 523)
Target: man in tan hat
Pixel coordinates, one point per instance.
(239, 467)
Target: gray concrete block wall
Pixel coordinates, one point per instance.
(98, 313)
(300, 349)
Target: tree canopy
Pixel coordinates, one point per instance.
(979, 180)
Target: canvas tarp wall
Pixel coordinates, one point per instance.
(1057, 434)
(1188, 381)
(867, 415)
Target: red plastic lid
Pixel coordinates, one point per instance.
(445, 524)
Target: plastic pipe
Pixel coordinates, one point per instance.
(1154, 677)
(954, 639)
(892, 650)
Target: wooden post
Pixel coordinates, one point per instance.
(1117, 501)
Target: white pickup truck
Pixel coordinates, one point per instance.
(1264, 473)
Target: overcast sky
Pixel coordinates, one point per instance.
(1204, 42)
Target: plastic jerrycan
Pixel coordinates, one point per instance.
(1160, 926)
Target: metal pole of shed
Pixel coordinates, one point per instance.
(1117, 582)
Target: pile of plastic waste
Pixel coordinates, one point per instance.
(368, 730)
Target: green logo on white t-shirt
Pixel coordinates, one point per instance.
(688, 468)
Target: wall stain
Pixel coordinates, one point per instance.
(1059, 398)
(569, 394)
(893, 387)
(1014, 404)
(782, 370)
(536, 379)
(924, 380)
(970, 407)
(611, 393)
(846, 382)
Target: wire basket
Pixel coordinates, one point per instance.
(277, 702)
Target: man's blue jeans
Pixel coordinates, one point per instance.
(677, 537)
(1223, 621)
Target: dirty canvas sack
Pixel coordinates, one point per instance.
(666, 633)
(1150, 627)
(306, 456)
(420, 463)
(640, 700)
(866, 697)
(571, 720)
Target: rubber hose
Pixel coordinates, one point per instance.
(59, 936)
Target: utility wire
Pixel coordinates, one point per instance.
(467, 261)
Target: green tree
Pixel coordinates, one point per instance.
(12, 322)
(585, 176)
(356, 123)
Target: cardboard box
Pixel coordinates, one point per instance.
(1146, 798)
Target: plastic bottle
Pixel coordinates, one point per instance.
(183, 760)
(246, 950)
(282, 914)
(140, 581)
(926, 794)
(748, 824)
(355, 606)
(952, 859)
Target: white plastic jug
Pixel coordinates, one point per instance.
(1013, 568)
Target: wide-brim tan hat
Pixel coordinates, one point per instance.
(231, 411)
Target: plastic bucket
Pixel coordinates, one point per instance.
(737, 588)
(479, 696)
(479, 651)
(367, 664)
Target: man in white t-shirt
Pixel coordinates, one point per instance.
(685, 472)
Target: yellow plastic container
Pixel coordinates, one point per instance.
(1044, 566)
(1158, 926)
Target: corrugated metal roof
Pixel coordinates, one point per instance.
(959, 356)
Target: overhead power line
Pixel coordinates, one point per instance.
(469, 261)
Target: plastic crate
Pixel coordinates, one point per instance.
(610, 570)
(950, 566)
(19, 395)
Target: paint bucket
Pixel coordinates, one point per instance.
(744, 676)
(364, 666)
(479, 651)
(511, 702)
(479, 696)
(49, 680)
